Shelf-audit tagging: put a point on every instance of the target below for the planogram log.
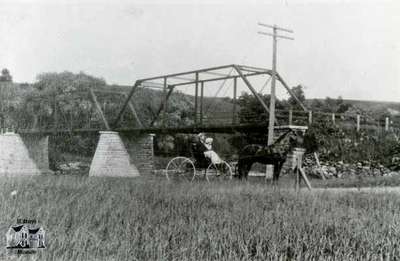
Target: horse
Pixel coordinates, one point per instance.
(274, 154)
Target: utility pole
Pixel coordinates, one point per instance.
(275, 37)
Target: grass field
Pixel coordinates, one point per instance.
(152, 219)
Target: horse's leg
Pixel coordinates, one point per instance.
(277, 169)
(241, 168)
(277, 172)
(248, 168)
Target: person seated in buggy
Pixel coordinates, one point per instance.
(203, 152)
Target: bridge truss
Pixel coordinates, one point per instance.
(197, 79)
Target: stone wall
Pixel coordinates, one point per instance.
(141, 151)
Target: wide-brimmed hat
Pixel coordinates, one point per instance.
(209, 140)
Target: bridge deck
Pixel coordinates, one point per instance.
(172, 130)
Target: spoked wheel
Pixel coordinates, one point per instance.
(221, 171)
(181, 168)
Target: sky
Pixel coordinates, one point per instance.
(341, 48)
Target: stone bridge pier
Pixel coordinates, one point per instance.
(123, 155)
(117, 155)
(23, 155)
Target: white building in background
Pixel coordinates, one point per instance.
(21, 236)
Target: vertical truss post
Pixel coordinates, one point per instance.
(196, 98)
(201, 102)
(290, 116)
(157, 114)
(164, 115)
(234, 100)
(55, 116)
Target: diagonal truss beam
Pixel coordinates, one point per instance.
(98, 107)
(126, 103)
(260, 100)
(291, 93)
(134, 113)
(157, 114)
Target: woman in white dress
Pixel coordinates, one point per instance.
(212, 155)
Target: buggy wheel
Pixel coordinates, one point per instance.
(180, 168)
(221, 171)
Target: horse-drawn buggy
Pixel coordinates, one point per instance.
(198, 165)
(287, 143)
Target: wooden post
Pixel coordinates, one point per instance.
(164, 115)
(304, 176)
(298, 154)
(55, 116)
(196, 98)
(271, 121)
(309, 117)
(319, 164)
(358, 122)
(234, 101)
(386, 123)
(290, 117)
(333, 118)
(201, 101)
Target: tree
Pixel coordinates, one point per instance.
(65, 94)
(252, 111)
(5, 76)
(331, 105)
(299, 93)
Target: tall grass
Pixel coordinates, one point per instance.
(142, 219)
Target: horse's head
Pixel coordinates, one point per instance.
(296, 139)
(307, 140)
(289, 140)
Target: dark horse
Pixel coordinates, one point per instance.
(275, 154)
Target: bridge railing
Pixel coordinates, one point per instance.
(295, 117)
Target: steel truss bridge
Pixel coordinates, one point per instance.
(125, 116)
(167, 84)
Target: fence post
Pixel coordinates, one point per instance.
(290, 117)
(309, 117)
(333, 118)
(386, 123)
(358, 122)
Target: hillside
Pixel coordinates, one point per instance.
(367, 105)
